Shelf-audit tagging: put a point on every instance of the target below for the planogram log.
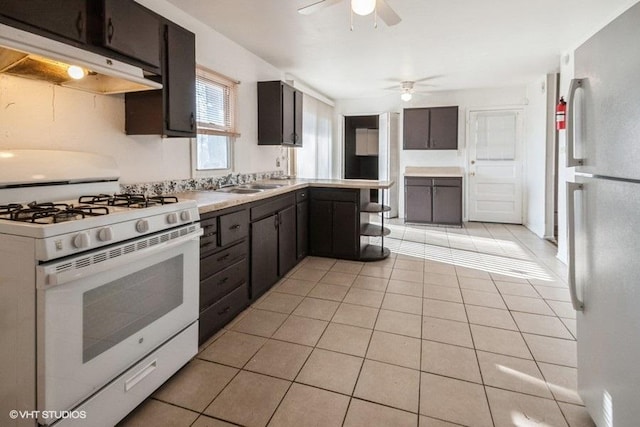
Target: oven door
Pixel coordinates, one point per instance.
(101, 312)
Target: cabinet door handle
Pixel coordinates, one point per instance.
(276, 221)
(193, 121)
(110, 30)
(207, 244)
(222, 258)
(223, 281)
(79, 24)
(226, 310)
(234, 227)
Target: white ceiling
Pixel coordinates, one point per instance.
(461, 44)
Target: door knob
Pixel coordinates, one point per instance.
(473, 162)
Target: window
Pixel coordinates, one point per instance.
(313, 160)
(215, 98)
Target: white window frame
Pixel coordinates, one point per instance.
(229, 130)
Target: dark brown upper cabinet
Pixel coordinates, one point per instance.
(430, 128)
(65, 18)
(170, 111)
(121, 29)
(279, 114)
(127, 28)
(180, 80)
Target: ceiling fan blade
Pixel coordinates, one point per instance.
(424, 79)
(316, 5)
(388, 15)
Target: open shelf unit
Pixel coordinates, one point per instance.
(369, 251)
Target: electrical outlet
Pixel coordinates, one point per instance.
(277, 162)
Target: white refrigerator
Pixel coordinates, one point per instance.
(603, 144)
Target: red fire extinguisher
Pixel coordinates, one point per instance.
(561, 114)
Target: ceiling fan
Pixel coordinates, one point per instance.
(359, 7)
(408, 87)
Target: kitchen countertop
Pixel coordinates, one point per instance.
(434, 171)
(211, 200)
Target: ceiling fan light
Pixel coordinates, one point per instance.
(406, 96)
(363, 7)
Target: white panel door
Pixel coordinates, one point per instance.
(495, 166)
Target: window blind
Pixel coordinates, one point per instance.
(215, 96)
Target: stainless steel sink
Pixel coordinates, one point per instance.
(262, 186)
(249, 188)
(240, 190)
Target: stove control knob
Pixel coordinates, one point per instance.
(172, 218)
(105, 234)
(185, 216)
(142, 226)
(81, 240)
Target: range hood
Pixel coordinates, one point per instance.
(32, 56)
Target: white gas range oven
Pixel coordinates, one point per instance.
(98, 291)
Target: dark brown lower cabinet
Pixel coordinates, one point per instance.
(334, 223)
(264, 255)
(447, 204)
(346, 230)
(287, 241)
(302, 223)
(320, 227)
(224, 269)
(273, 242)
(433, 200)
(418, 203)
(302, 232)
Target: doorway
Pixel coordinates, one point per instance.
(361, 157)
(495, 165)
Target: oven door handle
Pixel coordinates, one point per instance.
(55, 278)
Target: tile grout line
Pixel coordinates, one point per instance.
(475, 352)
(301, 366)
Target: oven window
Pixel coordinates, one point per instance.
(116, 310)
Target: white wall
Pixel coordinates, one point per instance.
(39, 115)
(535, 151)
(466, 100)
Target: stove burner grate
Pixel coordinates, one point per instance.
(45, 213)
(129, 200)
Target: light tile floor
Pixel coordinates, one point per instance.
(460, 326)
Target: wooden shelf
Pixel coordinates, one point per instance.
(373, 230)
(368, 251)
(373, 253)
(374, 207)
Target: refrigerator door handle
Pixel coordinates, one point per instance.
(572, 187)
(571, 98)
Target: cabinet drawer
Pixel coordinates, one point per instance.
(337, 195)
(418, 181)
(221, 283)
(447, 182)
(211, 264)
(302, 195)
(220, 313)
(208, 240)
(272, 206)
(233, 227)
(209, 224)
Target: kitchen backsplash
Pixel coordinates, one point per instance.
(180, 185)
